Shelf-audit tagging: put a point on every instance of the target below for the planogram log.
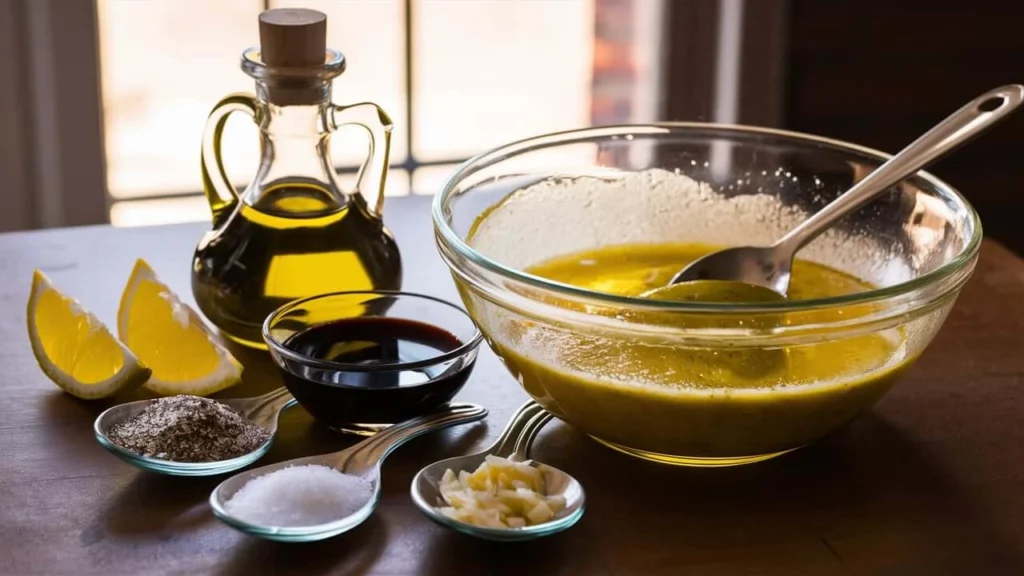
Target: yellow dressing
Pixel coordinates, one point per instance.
(688, 405)
(714, 291)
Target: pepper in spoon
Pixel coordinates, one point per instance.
(771, 266)
(263, 411)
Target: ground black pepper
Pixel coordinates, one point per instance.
(188, 428)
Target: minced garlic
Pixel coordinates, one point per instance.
(499, 494)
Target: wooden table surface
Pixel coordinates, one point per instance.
(930, 482)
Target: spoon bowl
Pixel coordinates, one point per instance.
(514, 444)
(227, 489)
(362, 460)
(714, 291)
(261, 410)
(771, 266)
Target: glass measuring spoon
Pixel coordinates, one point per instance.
(513, 444)
(262, 410)
(362, 460)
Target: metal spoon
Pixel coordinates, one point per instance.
(514, 444)
(262, 410)
(714, 291)
(771, 266)
(363, 460)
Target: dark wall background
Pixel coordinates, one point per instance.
(879, 73)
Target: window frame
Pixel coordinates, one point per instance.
(699, 33)
(52, 149)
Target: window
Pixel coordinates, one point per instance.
(456, 76)
(70, 159)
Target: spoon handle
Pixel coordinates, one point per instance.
(967, 122)
(369, 452)
(528, 434)
(264, 409)
(505, 445)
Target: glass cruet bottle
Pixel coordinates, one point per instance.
(292, 232)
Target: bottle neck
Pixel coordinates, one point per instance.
(309, 93)
(295, 176)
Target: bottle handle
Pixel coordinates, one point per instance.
(378, 126)
(220, 194)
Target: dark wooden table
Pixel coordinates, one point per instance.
(930, 482)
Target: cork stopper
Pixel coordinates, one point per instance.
(293, 37)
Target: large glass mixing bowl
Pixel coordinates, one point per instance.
(610, 365)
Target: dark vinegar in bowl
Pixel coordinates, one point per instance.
(380, 372)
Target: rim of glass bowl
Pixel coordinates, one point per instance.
(279, 348)
(486, 159)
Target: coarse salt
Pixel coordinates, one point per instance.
(299, 496)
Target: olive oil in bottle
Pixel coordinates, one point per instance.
(293, 232)
(291, 244)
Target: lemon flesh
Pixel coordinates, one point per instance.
(75, 349)
(171, 339)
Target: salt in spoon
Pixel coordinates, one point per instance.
(513, 444)
(261, 410)
(771, 266)
(362, 460)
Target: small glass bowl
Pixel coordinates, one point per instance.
(395, 381)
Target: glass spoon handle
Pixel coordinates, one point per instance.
(368, 453)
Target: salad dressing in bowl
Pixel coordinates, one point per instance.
(555, 242)
(705, 403)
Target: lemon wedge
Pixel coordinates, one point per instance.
(74, 348)
(171, 338)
